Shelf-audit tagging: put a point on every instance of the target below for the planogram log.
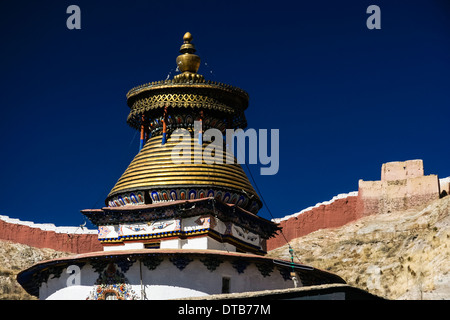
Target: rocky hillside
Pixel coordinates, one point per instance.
(15, 257)
(399, 255)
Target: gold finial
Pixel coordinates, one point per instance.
(188, 62)
(187, 46)
(187, 37)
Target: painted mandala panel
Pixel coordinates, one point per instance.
(112, 285)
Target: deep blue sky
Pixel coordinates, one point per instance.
(346, 99)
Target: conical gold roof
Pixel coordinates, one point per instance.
(154, 171)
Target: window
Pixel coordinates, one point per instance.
(152, 245)
(225, 285)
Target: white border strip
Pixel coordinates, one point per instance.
(444, 181)
(49, 226)
(339, 196)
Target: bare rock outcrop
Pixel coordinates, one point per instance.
(397, 255)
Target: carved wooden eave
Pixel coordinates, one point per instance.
(183, 209)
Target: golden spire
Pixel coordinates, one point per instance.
(188, 62)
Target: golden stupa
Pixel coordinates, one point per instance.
(158, 109)
(177, 229)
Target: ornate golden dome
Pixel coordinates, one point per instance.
(158, 109)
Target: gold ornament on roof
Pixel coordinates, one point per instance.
(188, 62)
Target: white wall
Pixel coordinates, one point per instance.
(185, 224)
(168, 282)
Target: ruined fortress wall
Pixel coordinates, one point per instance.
(330, 214)
(403, 185)
(444, 186)
(388, 196)
(399, 170)
(67, 239)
